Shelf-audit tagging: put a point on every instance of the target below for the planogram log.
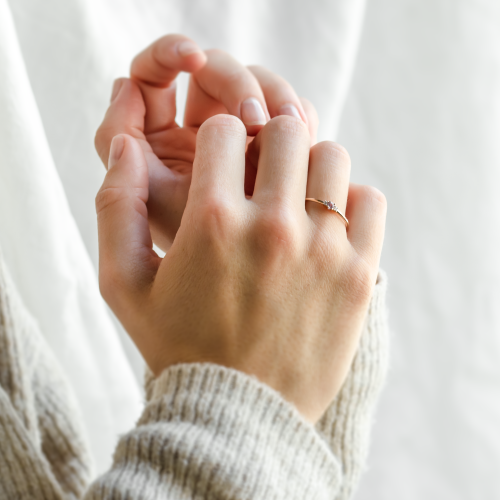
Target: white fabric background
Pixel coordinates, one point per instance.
(422, 122)
(418, 107)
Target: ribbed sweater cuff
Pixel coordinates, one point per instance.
(240, 438)
(347, 423)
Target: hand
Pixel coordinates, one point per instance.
(144, 107)
(270, 285)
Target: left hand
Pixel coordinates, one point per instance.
(144, 107)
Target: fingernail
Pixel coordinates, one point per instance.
(187, 48)
(252, 112)
(290, 110)
(116, 150)
(117, 85)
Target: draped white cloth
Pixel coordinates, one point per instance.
(410, 87)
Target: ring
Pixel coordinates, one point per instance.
(330, 206)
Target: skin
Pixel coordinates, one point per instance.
(143, 106)
(263, 282)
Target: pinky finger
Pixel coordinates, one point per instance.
(366, 211)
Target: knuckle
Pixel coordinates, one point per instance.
(228, 121)
(276, 235)
(288, 128)
(340, 151)
(106, 197)
(156, 56)
(375, 197)
(159, 49)
(217, 219)
(288, 124)
(290, 133)
(332, 152)
(215, 207)
(360, 281)
(227, 124)
(378, 196)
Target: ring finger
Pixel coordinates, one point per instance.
(328, 180)
(225, 84)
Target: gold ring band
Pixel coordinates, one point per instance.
(331, 206)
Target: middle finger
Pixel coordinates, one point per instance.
(282, 149)
(225, 85)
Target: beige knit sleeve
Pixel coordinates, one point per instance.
(210, 432)
(43, 451)
(215, 433)
(207, 431)
(346, 426)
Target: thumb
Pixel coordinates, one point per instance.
(127, 262)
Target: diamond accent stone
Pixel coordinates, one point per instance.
(331, 206)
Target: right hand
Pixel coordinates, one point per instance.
(270, 285)
(144, 107)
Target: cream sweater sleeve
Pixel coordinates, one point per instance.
(215, 433)
(206, 432)
(224, 435)
(43, 450)
(347, 423)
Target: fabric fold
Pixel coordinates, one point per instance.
(49, 263)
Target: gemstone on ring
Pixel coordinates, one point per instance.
(330, 206)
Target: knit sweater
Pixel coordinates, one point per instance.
(207, 431)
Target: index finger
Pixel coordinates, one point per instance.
(159, 64)
(155, 70)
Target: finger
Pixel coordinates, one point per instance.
(156, 68)
(280, 97)
(200, 106)
(225, 84)
(219, 164)
(125, 115)
(366, 211)
(283, 152)
(312, 119)
(328, 180)
(127, 262)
